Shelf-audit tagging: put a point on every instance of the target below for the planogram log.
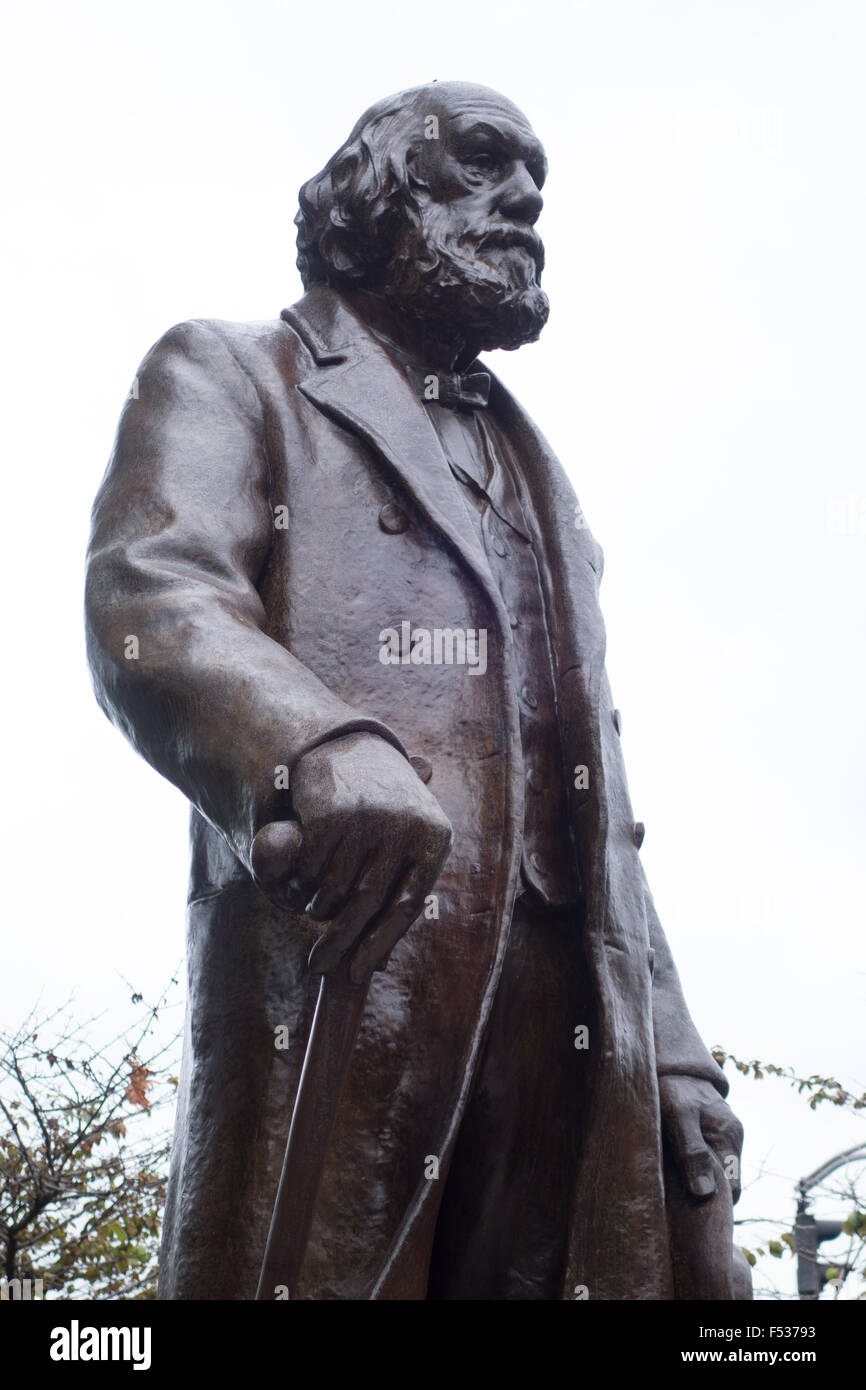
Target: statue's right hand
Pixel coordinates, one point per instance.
(374, 840)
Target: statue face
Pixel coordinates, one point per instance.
(473, 262)
(487, 167)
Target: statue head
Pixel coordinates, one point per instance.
(431, 205)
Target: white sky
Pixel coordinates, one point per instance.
(701, 377)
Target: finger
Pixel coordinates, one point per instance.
(691, 1154)
(317, 849)
(404, 908)
(724, 1133)
(366, 901)
(375, 948)
(336, 882)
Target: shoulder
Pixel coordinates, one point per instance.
(219, 338)
(246, 358)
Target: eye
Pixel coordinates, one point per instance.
(484, 160)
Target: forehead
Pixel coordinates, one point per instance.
(493, 116)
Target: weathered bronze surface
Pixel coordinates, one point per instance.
(341, 593)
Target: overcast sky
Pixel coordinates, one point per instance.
(701, 378)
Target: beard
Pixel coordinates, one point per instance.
(481, 286)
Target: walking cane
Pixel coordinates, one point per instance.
(326, 1062)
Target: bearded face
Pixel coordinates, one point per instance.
(437, 221)
(483, 277)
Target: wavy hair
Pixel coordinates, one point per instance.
(351, 212)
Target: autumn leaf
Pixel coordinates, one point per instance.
(140, 1083)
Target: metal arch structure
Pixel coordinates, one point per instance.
(805, 1185)
(810, 1233)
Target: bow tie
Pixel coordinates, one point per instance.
(453, 390)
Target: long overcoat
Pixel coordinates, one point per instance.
(276, 498)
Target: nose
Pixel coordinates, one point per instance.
(521, 197)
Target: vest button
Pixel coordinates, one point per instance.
(638, 832)
(534, 782)
(617, 721)
(393, 519)
(499, 546)
(528, 697)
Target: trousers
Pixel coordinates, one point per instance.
(503, 1222)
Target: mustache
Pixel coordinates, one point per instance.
(508, 235)
(438, 273)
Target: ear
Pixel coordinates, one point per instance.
(416, 169)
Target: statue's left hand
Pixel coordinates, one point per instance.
(697, 1123)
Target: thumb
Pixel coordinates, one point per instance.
(274, 853)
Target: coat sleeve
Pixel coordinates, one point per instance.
(176, 630)
(679, 1049)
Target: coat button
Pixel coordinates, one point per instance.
(393, 519)
(528, 697)
(638, 832)
(499, 546)
(534, 782)
(617, 721)
(422, 767)
(537, 863)
(512, 618)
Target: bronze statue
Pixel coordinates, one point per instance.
(338, 585)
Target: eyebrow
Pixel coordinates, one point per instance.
(531, 149)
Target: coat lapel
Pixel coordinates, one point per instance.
(570, 558)
(359, 386)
